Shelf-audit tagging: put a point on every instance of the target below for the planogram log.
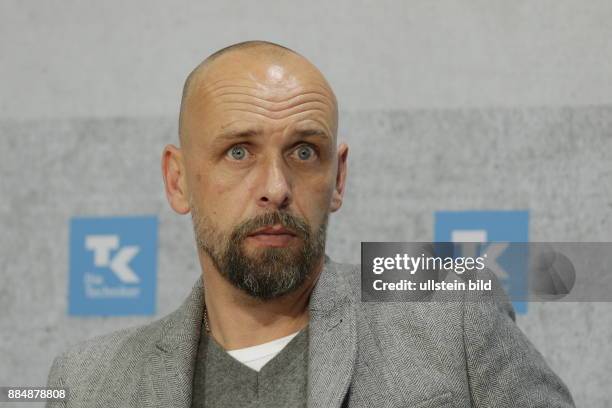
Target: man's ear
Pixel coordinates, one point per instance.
(336, 201)
(175, 179)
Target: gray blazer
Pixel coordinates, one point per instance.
(361, 354)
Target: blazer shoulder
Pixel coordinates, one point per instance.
(84, 359)
(348, 278)
(133, 337)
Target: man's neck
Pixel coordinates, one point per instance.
(238, 320)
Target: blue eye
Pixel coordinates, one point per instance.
(304, 152)
(237, 152)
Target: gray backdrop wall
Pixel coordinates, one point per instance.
(403, 167)
(446, 106)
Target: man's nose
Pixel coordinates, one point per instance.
(275, 190)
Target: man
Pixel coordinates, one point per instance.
(274, 322)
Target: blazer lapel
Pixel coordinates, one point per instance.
(332, 343)
(170, 369)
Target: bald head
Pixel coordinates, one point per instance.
(277, 75)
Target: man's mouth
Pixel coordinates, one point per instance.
(272, 236)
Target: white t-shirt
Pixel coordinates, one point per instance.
(257, 356)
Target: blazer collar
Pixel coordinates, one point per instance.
(172, 364)
(332, 344)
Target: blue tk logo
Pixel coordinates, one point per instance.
(113, 266)
(501, 229)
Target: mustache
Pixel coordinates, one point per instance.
(295, 224)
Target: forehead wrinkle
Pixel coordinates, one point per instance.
(205, 86)
(260, 103)
(271, 100)
(272, 94)
(289, 116)
(250, 102)
(280, 114)
(224, 83)
(275, 107)
(229, 97)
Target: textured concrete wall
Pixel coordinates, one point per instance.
(66, 58)
(403, 167)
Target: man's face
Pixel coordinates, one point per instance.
(261, 168)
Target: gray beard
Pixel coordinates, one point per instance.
(271, 272)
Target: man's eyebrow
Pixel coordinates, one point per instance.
(311, 132)
(237, 134)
